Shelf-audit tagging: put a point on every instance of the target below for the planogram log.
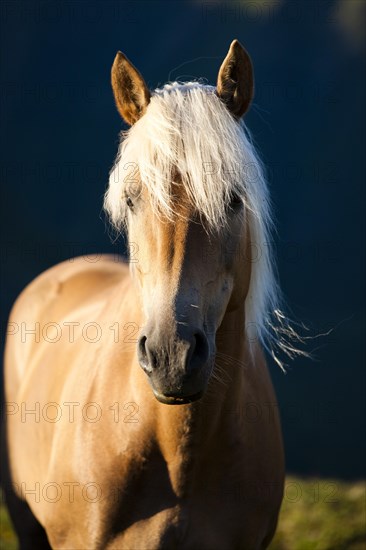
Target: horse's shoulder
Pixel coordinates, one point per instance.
(76, 277)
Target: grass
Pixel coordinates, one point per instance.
(8, 540)
(316, 514)
(322, 515)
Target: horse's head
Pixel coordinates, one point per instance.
(181, 185)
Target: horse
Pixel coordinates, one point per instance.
(140, 409)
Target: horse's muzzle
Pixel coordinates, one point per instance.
(176, 399)
(177, 365)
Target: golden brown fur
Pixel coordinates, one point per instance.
(202, 475)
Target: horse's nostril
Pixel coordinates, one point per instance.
(142, 355)
(201, 344)
(142, 346)
(199, 351)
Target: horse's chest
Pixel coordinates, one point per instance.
(169, 504)
(138, 495)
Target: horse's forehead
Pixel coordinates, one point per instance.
(178, 193)
(182, 205)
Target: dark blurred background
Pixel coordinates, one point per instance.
(59, 140)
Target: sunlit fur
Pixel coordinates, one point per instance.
(188, 131)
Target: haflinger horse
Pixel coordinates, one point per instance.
(170, 439)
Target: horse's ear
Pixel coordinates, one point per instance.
(131, 94)
(235, 83)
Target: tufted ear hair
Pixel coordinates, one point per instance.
(235, 82)
(131, 94)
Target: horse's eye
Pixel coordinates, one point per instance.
(235, 201)
(129, 202)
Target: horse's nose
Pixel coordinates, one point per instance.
(142, 354)
(188, 350)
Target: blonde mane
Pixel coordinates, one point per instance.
(188, 130)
